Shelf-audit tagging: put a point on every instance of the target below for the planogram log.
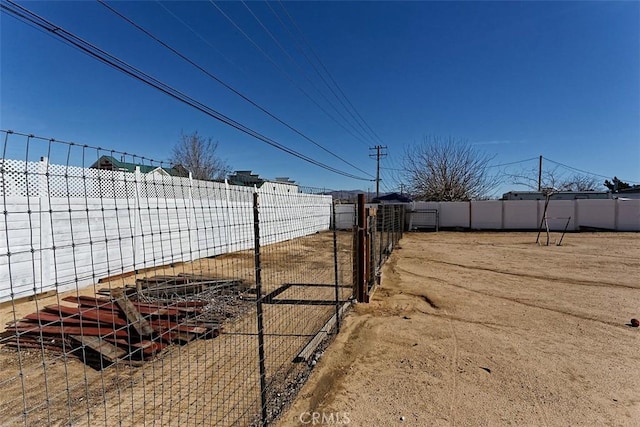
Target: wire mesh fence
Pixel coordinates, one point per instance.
(133, 294)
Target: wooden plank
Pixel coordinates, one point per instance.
(102, 316)
(59, 330)
(106, 349)
(83, 298)
(114, 307)
(162, 327)
(133, 315)
(310, 348)
(44, 317)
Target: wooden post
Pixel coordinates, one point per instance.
(361, 251)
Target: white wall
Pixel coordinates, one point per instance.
(610, 214)
(601, 214)
(486, 215)
(628, 216)
(110, 223)
(455, 214)
(520, 214)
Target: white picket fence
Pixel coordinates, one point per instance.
(67, 227)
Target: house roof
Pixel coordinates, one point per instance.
(392, 197)
(111, 163)
(247, 178)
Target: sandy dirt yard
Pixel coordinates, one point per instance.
(474, 329)
(206, 382)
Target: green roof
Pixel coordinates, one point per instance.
(104, 162)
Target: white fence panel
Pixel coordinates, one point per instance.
(628, 215)
(85, 224)
(22, 231)
(558, 213)
(345, 216)
(596, 213)
(486, 215)
(455, 214)
(520, 214)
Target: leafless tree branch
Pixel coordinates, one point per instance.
(197, 154)
(447, 169)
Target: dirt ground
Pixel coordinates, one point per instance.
(207, 382)
(476, 329)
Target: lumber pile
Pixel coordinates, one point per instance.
(182, 285)
(116, 328)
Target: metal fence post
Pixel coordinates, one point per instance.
(335, 265)
(261, 361)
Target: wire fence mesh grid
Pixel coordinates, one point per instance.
(133, 294)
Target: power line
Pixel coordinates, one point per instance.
(331, 89)
(301, 50)
(177, 18)
(303, 72)
(512, 163)
(488, 167)
(31, 18)
(585, 172)
(327, 72)
(227, 86)
(283, 72)
(378, 155)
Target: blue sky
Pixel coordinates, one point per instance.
(517, 79)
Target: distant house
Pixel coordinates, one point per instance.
(245, 178)
(248, 179)
(112, 164)
(628, 193)
(392, 198)
(560, 195)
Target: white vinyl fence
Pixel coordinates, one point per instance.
(612, 214)
(66, 227)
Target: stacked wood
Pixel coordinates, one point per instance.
(183, 284)
(98, 329)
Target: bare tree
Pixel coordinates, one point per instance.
(447, 169)
(579, 182)
(554, 180)
(197, 154)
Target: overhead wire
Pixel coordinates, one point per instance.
(512, 163)
(71, 39)
(388, 176)
(328, 73)
(300, 68)
(584, 171)
(315, 68)
(488, 167)
(283, 72)
(204, 40)
(226, 85)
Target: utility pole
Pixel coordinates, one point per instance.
(401, 189)
(378, 154)
(540, 175)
